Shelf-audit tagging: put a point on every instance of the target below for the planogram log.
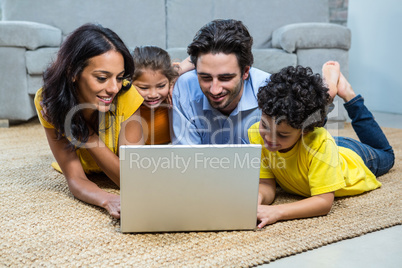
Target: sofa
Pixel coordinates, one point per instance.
(285, 32)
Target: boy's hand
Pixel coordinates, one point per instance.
(267, 215)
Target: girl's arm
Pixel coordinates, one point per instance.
(78, 183)
(182, 67)
(310, 207)
(131, 133)
(185, 66)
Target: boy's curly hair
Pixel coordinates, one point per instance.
(296, 95)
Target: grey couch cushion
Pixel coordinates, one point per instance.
(311, 35)
(30, 35)
(137, 22)
(186, 17)
(272, 60)
(38, 60)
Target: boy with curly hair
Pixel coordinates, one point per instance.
(301, 156)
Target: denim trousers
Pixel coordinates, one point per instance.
(373, 147)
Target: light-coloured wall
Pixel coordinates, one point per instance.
(375, 56)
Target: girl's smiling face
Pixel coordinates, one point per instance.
(153, 86)
(278, 137)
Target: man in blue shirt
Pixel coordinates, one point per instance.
(216, 103)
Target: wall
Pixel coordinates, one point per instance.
(338, 10)
(375, 57)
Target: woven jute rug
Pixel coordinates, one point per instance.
(42, 224)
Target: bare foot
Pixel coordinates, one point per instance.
(330, 74)
(345, 90)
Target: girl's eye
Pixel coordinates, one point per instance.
(101, 79)
(162, 86)
(120, 79)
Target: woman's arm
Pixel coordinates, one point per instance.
(130, 133)
(78, 183)
(310, 207)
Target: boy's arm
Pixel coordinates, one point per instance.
(310, 207)
(266, 191)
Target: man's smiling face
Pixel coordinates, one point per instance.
(221, 80)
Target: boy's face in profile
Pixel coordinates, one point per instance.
(278, 137)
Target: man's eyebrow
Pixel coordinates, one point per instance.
(219, 75)
(228, 74)
(203, 74)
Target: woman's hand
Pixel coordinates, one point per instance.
(112, 205)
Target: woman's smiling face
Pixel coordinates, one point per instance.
(101, 80)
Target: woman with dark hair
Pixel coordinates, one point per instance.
(89, 108)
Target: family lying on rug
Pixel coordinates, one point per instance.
(96, 97)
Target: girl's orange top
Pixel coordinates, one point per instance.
(155, 124)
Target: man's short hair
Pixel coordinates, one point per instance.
(223, 36)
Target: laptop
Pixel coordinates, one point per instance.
(178, 188)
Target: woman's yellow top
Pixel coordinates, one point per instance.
(155, 124)
(125, 105)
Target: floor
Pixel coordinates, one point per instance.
(378, 249)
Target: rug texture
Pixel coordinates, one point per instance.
(42, 224)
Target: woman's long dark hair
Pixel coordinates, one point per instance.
(59, 92)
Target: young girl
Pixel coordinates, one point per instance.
(301, 156)
(87, 112)
(154, 76)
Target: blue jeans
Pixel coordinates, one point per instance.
(373, 147)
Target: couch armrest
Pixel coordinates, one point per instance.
(311, 35)
(30, 35)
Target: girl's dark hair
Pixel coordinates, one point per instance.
(59, 91)
(154, 58)
(223, 36)
(297, 96)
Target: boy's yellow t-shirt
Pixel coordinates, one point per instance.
(126, 104)
(315, 165)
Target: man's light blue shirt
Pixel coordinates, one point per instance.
(195, 121)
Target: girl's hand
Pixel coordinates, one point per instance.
(181, 67)
(169, 97)
(112, 205)
(267, 215)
